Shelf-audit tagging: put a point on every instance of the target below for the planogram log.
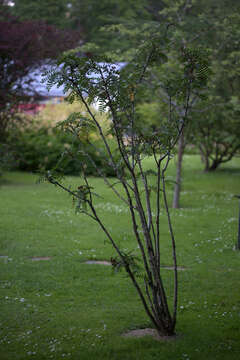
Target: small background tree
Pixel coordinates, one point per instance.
(217, 133)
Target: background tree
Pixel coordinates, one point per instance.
(215, 24)
(216, 133)
(217, 129)
(53, 12)
(86, 16)
(23, 47)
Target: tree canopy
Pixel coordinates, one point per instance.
(23, 46)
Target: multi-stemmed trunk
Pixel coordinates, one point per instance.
(117, 93)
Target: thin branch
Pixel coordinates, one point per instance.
(55, 182)
(94, 119)
(174, 255)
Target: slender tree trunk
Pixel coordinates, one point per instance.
(204, 158)
(206, 167)
(177, 189)
(215, 164)
(211, 167)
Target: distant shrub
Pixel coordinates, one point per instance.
(41, 149)
(40, 145)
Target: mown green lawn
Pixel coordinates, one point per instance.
(65, 308)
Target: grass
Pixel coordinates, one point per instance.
(64, 308)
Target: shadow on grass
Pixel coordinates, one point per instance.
(17, 178)
(226, 170)
(4, 181)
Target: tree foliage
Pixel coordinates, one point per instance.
(53, 12)
(23, 46)
(216, 133)
(215, 122)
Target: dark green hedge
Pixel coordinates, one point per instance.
(45, 148)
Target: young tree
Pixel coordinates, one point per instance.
(117, 93)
